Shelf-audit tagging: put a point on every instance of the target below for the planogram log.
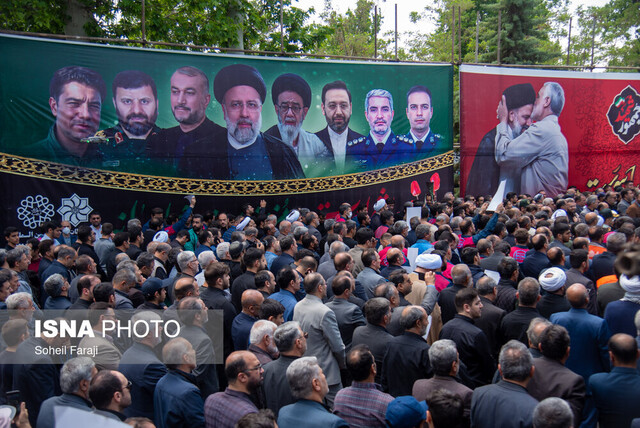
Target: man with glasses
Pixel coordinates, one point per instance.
(243, 152)
(291, 97)
(245, 374)
(110, 393)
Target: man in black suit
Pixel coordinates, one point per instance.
(143, 368)
(514, 325)
(551, 378)
(491, 316)
(193, 314)
(336, 107)
(374, 334)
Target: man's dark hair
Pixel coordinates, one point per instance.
(409, 319)
(270, 308)
(9, 230)
(338, 84)
(577, 257)
(215, 271)
(468, 255)
(446, 408)
(511, 226)
(554, 342)
(103, 292)
(84, 233)
(97, 309)
(233, 368)
(85, 283)
(359, 362)
(507, 267)
(385, 216)
(286, 242)
(107, 229)
(103, 386)
(262, 419)
(82, 263)
(120, 238)
(13, 329)
(419, 88)
(397, 276)
(559, 229)
(375, 309)
(262, 277)
(134, 233)
(502, 247)
(45, 246)
(368, 257)
(145, 259)
(203, 236)
(285, 276)
(133, 79)
(466, 296)
(74, 73)
(522, 236)
(251, 256)
(528, 291)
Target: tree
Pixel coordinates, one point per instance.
(525, 31)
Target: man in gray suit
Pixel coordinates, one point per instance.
(370, 276)
(324, 342)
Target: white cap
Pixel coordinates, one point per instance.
(429, 261)
(293, 216)
(552, 279)
(379, 204)
(161, 236)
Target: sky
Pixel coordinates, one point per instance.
(405, 7)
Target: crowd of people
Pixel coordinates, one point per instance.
(525, 316)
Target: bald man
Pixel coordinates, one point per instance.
(589, 334)
(241, 328)
(616, 395)
(397, 241)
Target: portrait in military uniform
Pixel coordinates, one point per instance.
(485, 174)
(419, 113)
(190, 97)
(242, 152)
(135, 99)
(381, 148)
(76, 95)
(336, 108)
(291, 96)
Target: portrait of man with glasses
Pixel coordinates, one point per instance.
(291, 96)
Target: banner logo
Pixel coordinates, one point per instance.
(33, 211)
(75, 209)
(624, 114)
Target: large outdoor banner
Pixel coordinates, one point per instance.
(560, 129)
(121, 130)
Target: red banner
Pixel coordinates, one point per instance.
(600, 122)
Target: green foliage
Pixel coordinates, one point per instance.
(37, 16)
(525, 28)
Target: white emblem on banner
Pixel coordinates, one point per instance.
(75, 209)
(33, 211)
